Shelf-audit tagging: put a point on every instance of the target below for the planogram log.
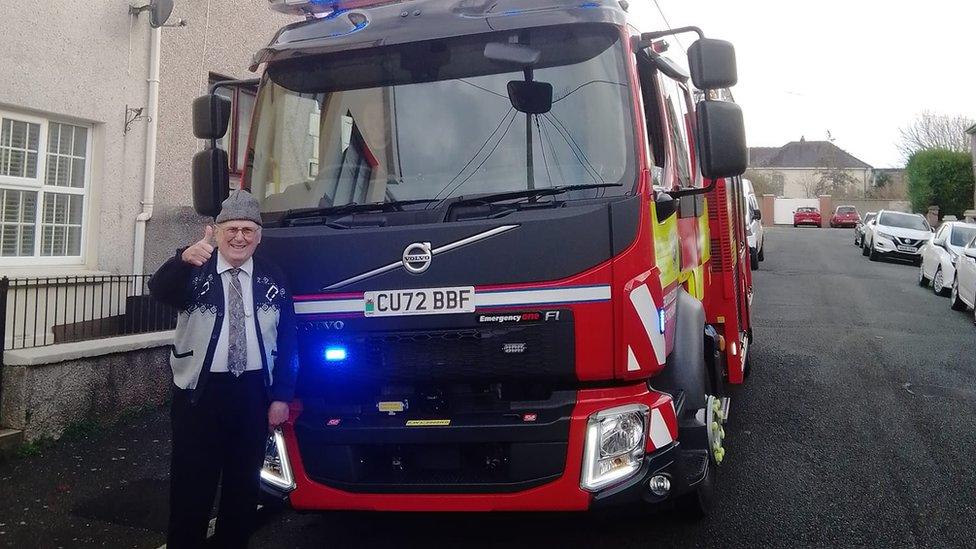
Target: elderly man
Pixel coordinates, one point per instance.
(234, 366)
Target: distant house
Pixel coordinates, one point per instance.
(795, 168)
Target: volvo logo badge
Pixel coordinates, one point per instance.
(416, 257)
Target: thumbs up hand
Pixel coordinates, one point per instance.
(200, 252)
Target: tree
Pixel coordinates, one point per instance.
(935, 131)
(942, 178)
(764, 183)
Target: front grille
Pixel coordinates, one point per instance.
(469, 352)
(908, 242)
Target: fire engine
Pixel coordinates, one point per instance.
(515, 238)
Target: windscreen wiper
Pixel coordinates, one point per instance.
(346, 209)
(529, 193)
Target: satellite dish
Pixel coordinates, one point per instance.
(159, 12)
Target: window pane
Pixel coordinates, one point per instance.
(53, 134)
(29, 210)
(75, 209)
(81, 141)
(16, 163)
(11, 206)
(47, 247)
(31, 164)
(74, 241)
(64, 143)
(27, 240)
(77, 173)
(60, 209)
(50, 203)
(8, 241)
(34, 136)
(17, 223)
(19, 148)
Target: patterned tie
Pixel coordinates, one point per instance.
(237, 340)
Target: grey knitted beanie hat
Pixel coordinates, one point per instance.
(240, 205)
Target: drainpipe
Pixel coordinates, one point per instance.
(149, 170)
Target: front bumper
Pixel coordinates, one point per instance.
(889, 249)
(663, 456)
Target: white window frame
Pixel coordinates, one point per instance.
(39, 186)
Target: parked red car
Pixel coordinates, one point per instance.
(807, 216)
(845, 216)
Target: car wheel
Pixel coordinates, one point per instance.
(762, 254)
(795, 225)
(954, 301)
(873, 254)
(922, 281)
(864, 248)
(938, 283)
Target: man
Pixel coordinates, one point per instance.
(234, 366)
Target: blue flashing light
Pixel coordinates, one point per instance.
(661, 320)
(335, 354)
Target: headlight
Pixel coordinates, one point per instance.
(277, 469)
(615, 444)
(885, 235)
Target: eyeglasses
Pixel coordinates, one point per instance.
(246, 232)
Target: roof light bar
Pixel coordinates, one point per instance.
(312, 8)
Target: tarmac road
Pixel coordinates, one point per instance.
(856, 428)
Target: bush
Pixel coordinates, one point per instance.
(941, 178)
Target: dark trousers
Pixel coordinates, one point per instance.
(220, 438)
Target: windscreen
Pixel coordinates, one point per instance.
(903, 221)
(434, 120)
(962, 235)
(846, 210)
(806, 210)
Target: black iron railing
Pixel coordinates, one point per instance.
(45, 311)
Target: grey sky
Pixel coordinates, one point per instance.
(860, 69)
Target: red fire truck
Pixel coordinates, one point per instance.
(514, 231)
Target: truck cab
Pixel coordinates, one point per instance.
(496, 220)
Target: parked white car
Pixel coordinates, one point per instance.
(940, 255)
(963, 294)
(896, 234)
(755, 233)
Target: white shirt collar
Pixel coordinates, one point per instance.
(223, 265)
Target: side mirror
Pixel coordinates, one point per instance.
(211, 115)
(722, 139)
(211, 181)
(971, 252)
(712, 64)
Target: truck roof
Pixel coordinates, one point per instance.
(418, 20)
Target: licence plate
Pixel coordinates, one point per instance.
(428, 301)
(909, 249)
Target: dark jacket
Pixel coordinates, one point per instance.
(198, 294)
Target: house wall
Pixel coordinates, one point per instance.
(83, 63)
(221, 38)
(795, 179)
